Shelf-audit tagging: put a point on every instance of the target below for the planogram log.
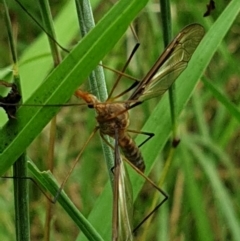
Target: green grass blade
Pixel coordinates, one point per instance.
(16, 135)
(97, 81)
(47, 180)
(220, 192)
(195, 199)
(158, 122)
(21, 191)
(233, 110)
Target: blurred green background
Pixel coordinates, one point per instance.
(209, 133)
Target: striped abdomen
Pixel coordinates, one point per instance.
(131, 152)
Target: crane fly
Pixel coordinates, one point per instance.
(168, 67)
(113, 118)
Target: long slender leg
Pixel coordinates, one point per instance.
(75, 163)
(149, 134)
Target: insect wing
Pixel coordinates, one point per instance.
(125, 205)
(170, 64)
(123, 202)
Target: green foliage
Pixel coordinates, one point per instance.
(202, 181)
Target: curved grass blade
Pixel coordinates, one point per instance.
(185, 85)
(47, 181)
(15, 136)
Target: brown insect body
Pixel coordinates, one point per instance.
(112, 116)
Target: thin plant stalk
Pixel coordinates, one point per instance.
(167, 37)
(49, 28)
(97, 81)
(22, 226)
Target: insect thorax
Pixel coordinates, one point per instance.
(111, 117)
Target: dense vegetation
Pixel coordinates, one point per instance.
(203, 173)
